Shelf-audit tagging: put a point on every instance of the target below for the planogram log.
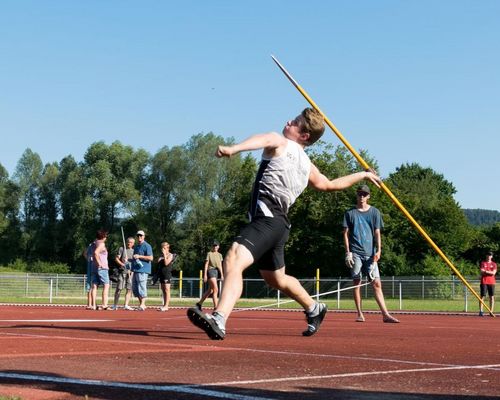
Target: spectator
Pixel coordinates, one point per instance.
(363, 245)
(124, 260)
(165, 263)
(100, 272)
(88, 255)
(141, 267)
(488, 272)
(211, 271)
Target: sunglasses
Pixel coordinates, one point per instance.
(363, 194)
(139, 235)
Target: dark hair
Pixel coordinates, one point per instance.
(101, 234)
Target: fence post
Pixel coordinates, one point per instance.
(317, 284)
(26, 288)
(279, 298)
(201, 284)
(180, 284)
(393, 286)
(466, 305)
(423, 280)
(50, 291)
(338, 294)
(400, 296)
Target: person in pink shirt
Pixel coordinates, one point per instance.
(100, 268)
(488, 272)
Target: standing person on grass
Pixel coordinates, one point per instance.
(88, 254)
(284, 173)
(488, 271)
(141, 267)
(211, 271)
(100, 271)
(124, 260)
(363, 245)
(165, 264)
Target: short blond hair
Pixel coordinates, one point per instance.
(314, 125)
(163, 244)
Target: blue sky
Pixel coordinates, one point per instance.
(409, 81)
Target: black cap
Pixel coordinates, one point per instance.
(363, 188)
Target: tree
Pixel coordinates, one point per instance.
(428, 197)
(165, 193)
(47, 243)
(113, 173)
(27, 176)
(9, 221)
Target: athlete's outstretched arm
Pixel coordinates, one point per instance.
(268, 141)
(320, 182)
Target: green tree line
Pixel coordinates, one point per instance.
(184, 195)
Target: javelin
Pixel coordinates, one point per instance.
(124, 255)
(387, 191)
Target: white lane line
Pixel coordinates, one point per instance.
(353, 374)
(188, 389)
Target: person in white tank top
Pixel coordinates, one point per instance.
(284, 173)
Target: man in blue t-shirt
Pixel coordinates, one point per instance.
(141, 266)
(363, 244)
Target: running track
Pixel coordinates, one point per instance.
(64, 353)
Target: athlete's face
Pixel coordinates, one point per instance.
(293, 127)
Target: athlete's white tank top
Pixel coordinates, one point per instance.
(279, 181)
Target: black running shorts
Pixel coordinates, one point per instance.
(490, 289)
(265, 238)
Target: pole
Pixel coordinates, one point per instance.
(317, 284)
(384, 188)
(180, 284)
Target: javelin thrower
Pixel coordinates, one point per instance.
(284, 172)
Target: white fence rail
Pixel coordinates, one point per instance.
(54, 288)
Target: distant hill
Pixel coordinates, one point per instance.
(480, 217)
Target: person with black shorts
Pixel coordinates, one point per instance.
(165, 265)
(488, 272)
(211, 271)
(285, 171)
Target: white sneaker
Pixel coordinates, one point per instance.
(128, 308)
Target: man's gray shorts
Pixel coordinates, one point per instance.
(364, 266)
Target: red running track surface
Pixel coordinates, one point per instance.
(68, 352)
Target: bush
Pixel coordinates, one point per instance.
(17, 265)
(43, 267)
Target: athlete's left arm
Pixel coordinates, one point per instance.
(320, 182)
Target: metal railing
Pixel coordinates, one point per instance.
(54, 288)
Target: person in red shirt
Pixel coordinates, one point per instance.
(488, 272)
